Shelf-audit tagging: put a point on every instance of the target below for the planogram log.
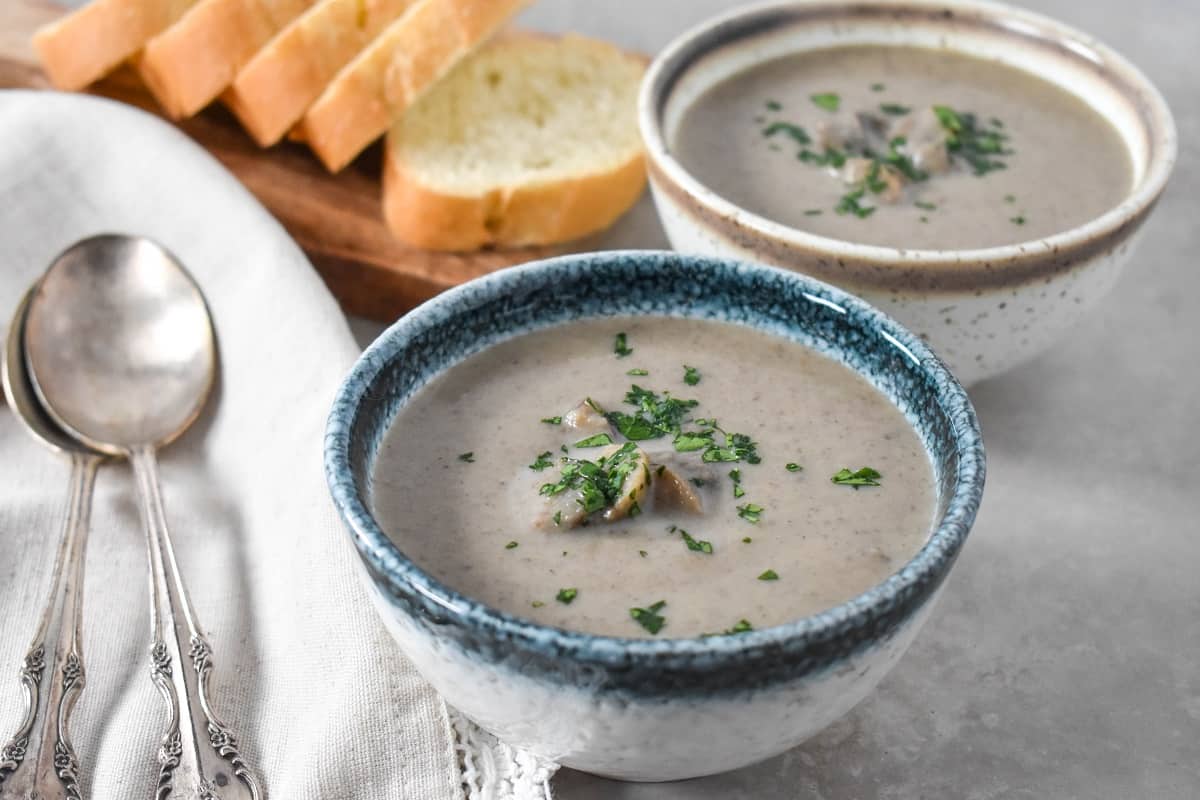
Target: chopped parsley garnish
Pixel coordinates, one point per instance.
(566, 596)
(877, 87)
(638, 372)
(696, 545)
(751, 512)
(794, 132)
(830, 158)
(467, 457)
(742, 626)
(849, 204)
(894, 109)
(1008, 198)
(649, 618)
(699, 483)
(620, 347)
(642, 553)
(544, 461)
(511, 546)
(691, 375)
(826, 100)
(774, 105)
(769, 575)
(813, 212)
(1017, 220)
(599, 440)
(656, 415)
(557, 518)
(792, 466)
(735, 475)
(552, 420)
(863, 477)
(966, 139)
(746, 540)
(924, 219)
(598, 483)
(921, 204)
(537, 604)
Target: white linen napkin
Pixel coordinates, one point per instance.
(324, 704)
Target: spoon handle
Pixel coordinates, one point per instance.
(39, 761)
(198, 756)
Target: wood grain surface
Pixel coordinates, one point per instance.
(335, 218)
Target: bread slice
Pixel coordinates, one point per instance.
(192, 62)
(531, 140)
(278, 85)
(84, 46)
(408, 57)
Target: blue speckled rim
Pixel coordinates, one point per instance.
(542, 293)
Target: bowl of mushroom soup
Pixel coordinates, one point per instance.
(976, 170)
(651, 515)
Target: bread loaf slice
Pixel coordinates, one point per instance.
(192, 62)
(277, 86)
(84, 46)
(531, 140)
(408, 57)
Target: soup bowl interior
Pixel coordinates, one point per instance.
(916, 284)
(593, 702)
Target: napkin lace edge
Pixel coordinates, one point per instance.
(493, 770)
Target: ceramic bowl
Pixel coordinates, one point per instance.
(983, 310)
(653, 709)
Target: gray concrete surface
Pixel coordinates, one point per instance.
(1064, 659)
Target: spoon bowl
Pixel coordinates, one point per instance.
(120, 344)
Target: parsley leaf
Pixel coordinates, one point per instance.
(742, 626)
(792, 466)
(537, 604)
(769, 575)
(751, 512)
(695, 545)
(894, 109)
(511, 546)
(863, 477)
(691, 375)
(794, 132)
(543, 461)
(826, 100)
(649, 618)
(638, 372)
(552, 420)
(774, 105)
(599, 440)
(877, 87)
(469, 458)
(566, 596)
(735, 475)
(620, 347)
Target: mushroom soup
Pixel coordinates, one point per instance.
(654, 476)
(904, 147)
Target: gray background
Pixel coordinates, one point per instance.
(1064, 658)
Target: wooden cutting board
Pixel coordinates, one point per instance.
(335, 218)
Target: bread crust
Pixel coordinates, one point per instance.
(405, 60)
(543, 213)
(187, 66)
(273, 90)
(87, 44)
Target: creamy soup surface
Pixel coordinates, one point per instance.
(904, 147)
(460, 480)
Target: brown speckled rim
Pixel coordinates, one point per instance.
(886, 268)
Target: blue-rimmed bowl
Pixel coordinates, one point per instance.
(651, 709)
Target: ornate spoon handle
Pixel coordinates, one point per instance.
(39, 761)
(198, 757)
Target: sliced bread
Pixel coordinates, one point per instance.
(274, 89)
(84, 46)
(530, 140)
(408, 57)
(192, 62)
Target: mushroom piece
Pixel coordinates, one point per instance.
(634, 488)
(585, 418)
(924, 140)
(674, 493)
(567, 509)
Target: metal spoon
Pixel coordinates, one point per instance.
(120, 348)
(40, 761)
